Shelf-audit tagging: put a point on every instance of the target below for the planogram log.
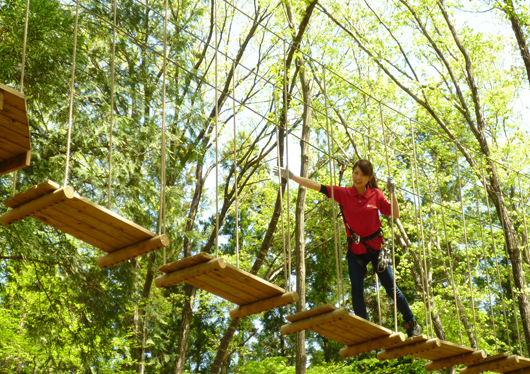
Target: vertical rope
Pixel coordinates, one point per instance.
(216, 137)
(496, 256)
(419, 225)
(287, 166)
(24, 45)
(466, 245)
(486, 267)
(112, 72)
(280, 194)
(22, 70)
(336, 222)
(449, 258)
(235, 161)
(508, 261)
(524, 214)
(392, 196)
(72, 92)
(335, 228)
(162, 213)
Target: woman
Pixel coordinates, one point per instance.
(360, 206)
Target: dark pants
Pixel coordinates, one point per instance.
(386, 277)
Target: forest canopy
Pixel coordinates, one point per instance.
(180, 109)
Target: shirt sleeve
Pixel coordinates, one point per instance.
(339, 193)
(324, 190)
(383, 204)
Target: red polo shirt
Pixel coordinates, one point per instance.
(361, 211)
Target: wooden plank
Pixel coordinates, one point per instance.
(309, 323)
(360, 329)
(182, 275)
(258, 283)
(66, 228)
(12, 91)
(353, 333)
(409, 341)
(1, 99)
(14, 112)
(34, 206)
(330, 331)
(11, 134)
(198, 283)
(447, 349)
(80, 230)
(256, 288)
(186, 262)
(32, 193)
(6, 154)
(310, 312)
(263, 305)
(408, 350)
(370, 345)
(520, 371)
(15, 163)
(455, 360)
(110, 218)
(97, 228)
(15, 106)
(243, 292)
(22, 129)
(8, 146)
(133, 251)
(502, 365)
(490, 358)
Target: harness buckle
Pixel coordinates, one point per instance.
(357, 238)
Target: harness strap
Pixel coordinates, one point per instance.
(356, 238)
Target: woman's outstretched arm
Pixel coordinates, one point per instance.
(305, 182)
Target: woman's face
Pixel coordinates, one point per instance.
(360, 180)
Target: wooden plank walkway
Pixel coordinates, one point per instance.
(501, 363)
(441, 353)
(358, 334)
(251, 293)
(65, 210)
(15, 147)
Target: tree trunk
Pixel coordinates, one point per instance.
(187, 315)
(301, 358)
(509, 9)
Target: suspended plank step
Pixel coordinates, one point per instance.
(358, 334)
(68, 212)
(441, 353)
(15, 148)
(501, 363)
(252, 294)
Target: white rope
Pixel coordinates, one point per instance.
(466, 245)
(289, 285)
(495, 254)
(285, 270)
(22, 69)
(24, 45)
(72, 93)
(235, 161)
(449, 258)
(162, 213)
(335, 225)
(392, 195)
(417, 212)
(113, 66)
(216, 138)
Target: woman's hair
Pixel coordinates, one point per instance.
(367, 169)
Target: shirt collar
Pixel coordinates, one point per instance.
(367, 193)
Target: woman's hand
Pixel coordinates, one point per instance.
(285, 173)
